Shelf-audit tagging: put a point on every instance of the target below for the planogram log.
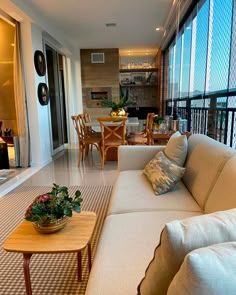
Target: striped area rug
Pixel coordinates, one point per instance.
(51, 274)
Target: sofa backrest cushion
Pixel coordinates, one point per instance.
(223, 194)
(209, 270)
(180, 237)
(177, 148)
(205, 160)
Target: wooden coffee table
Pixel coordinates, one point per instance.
(74, 237)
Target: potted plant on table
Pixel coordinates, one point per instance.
(49, 212)
(157, 120)
(118, 108)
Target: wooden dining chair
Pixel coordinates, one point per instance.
(85, 140)
(113, 130)
(88, 130)
(144, 137)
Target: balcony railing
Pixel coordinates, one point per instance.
(215, 120)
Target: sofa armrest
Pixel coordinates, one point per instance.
(135, 157)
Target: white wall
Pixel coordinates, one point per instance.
(33, 28)
(40, 144)
(74, 104)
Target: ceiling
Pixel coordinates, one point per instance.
(83, 22)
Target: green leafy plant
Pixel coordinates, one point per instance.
(50, 207)
(123, 102)
(158, 120)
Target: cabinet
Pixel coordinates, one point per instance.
(140, 85)
(138, 77)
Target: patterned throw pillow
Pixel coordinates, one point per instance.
(162, 173)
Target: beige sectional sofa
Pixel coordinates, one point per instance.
(136, 216)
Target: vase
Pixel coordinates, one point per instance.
(119, 112)
(156, 127)
(51, 227)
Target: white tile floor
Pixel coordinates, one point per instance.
(64, 171)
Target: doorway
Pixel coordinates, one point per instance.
(57, 99)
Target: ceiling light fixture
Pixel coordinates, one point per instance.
(111, 25)
(158, 29)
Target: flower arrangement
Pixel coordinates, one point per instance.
(49, 207)
(123, 102)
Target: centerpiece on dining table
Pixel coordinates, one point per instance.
(118, 107)
(49, 212)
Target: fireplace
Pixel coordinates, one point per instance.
(95, 95)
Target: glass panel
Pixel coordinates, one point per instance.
(198, 103)
(220, 44)
(221, 102)
(181, 104)
(213, 103)
(228, 139)
(187, 39)
(54, 93)
(177, 67)
(170, 84)
(201, 49)
(7, 95)
(232, 102)
(232, 75)
(207, 102)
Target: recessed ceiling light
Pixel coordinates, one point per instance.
(158, 29)
(111, 25)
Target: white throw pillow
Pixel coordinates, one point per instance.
(178, 239)
(162, 173)
(209, 270)
(177, 148)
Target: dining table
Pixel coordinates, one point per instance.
(112, 152)
(131, 122)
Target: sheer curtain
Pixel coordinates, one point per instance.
(21, 107)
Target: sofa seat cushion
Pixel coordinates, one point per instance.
(208, 270)
(133, 192)
(205, 160)
(126, 246)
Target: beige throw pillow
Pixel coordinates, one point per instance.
(209, 270)
(162, 173)
(178, 239)
(177, 148)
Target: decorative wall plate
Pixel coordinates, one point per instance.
(43, 94)
(39, 62)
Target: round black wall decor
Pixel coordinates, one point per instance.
(39, 62)
(43, 94)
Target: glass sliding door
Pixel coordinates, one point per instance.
(62, 97)
(56, 93)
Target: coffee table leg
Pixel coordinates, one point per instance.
(89, 257)
(79, 268)
(27, 273)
